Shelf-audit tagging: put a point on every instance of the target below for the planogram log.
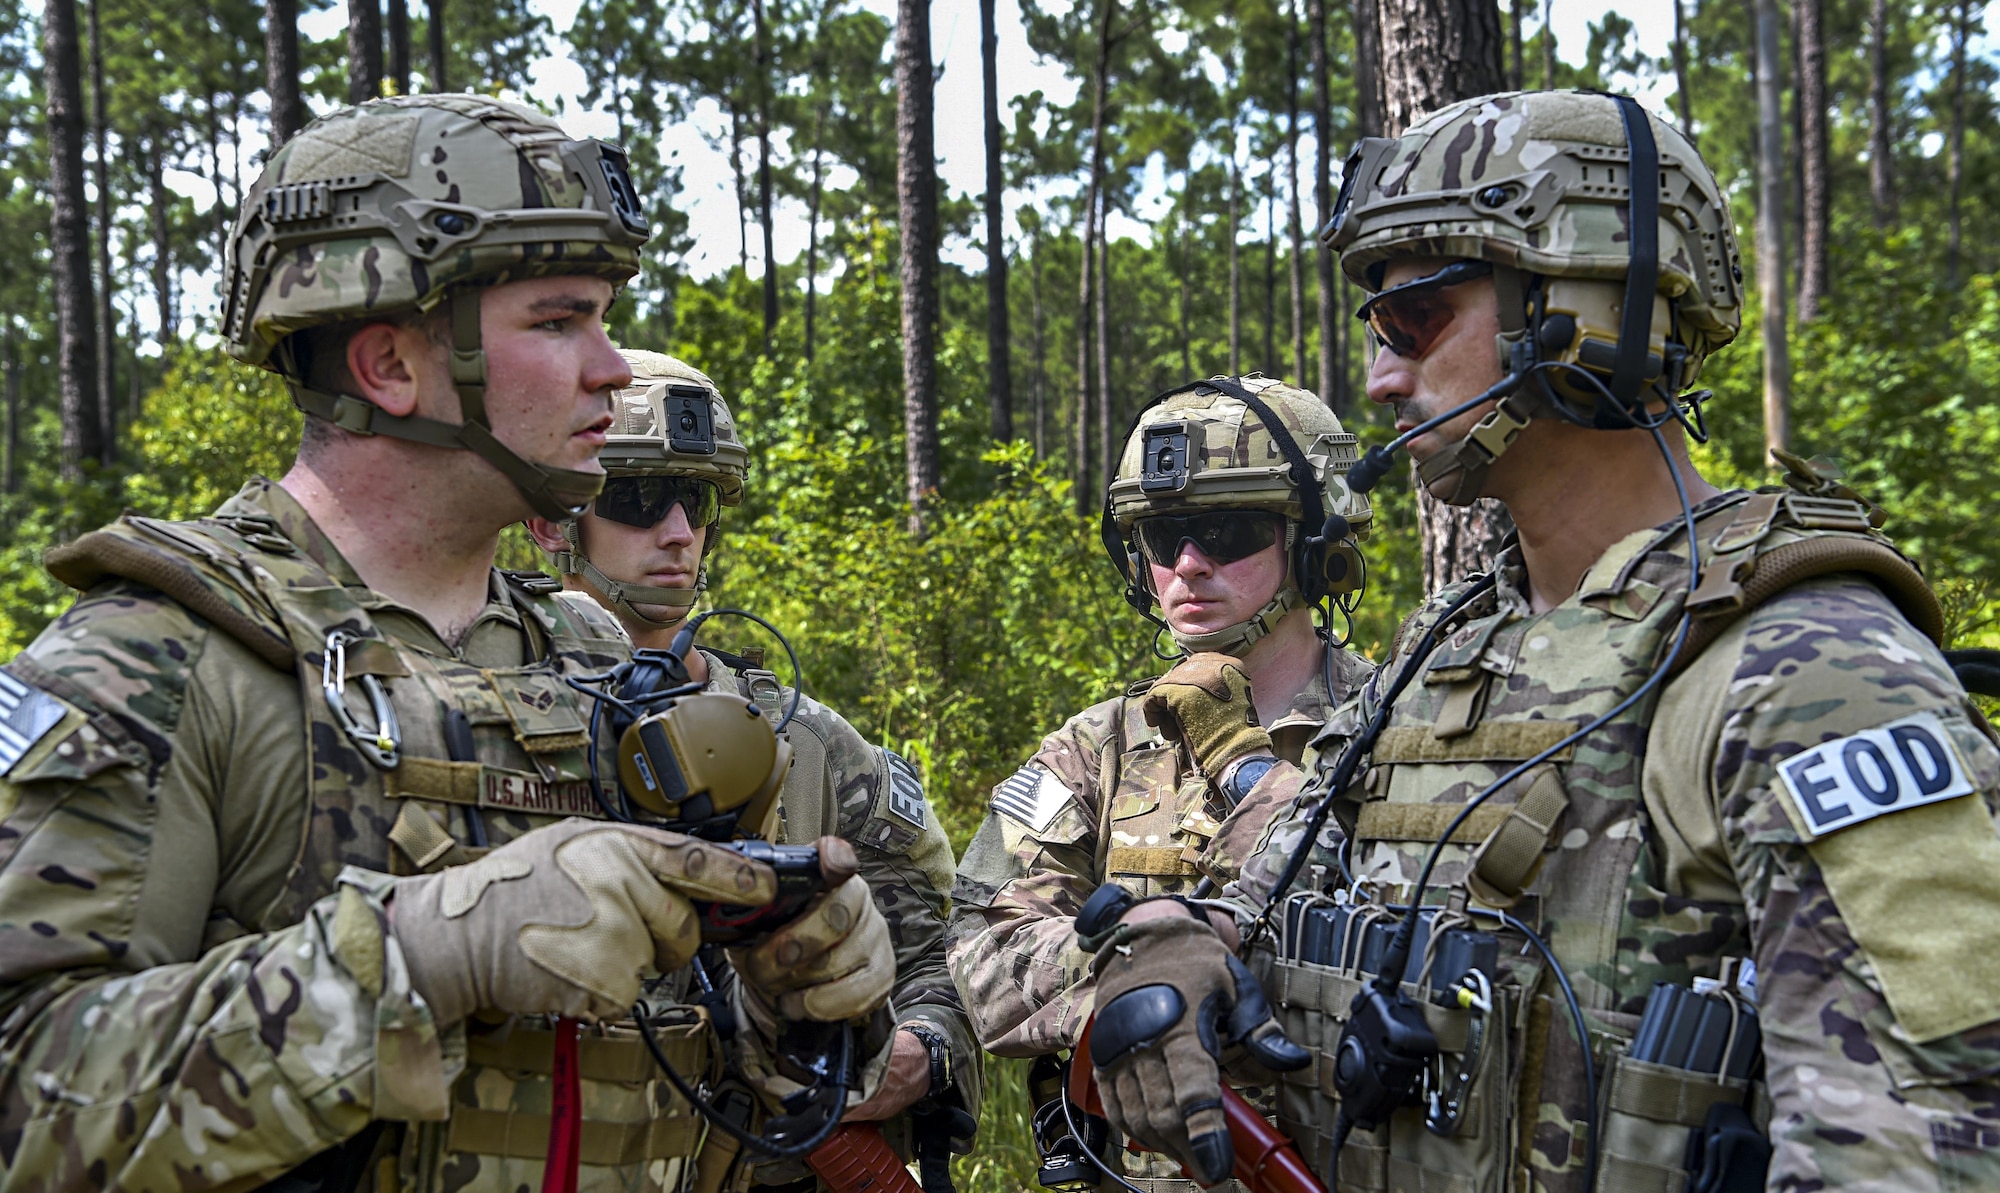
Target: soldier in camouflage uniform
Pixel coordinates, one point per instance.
(284, 897)
(642, 552)
(1807, 786)
(1219, 539)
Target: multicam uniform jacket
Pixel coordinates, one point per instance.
(181, 801)
(1105, 798)
(1813, 791)
(842, 785)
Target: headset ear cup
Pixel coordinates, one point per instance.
(1340, 568)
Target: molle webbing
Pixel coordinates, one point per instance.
(620, 1060)
(102, 554)
(1768, 573)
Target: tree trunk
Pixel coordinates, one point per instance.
(1332, 385)
(1270, 365)
(107, 409)
(1235, 259)
(364, 50)
(1085, 265)
(281, 69)
(999, 338)
(1814, 279)
(1881, 162)
(916, 196)
(10, 446)
(1368, 113)
(1107, 405)
(1293, 217)
(399, 46)
(1548, 47)
(742, 188)
(1435, 52)
(69, 241)
(1683, 97)
(761, 63)
(1771, 229)
(1041, 355)
(812, 237)
(1961, 32)
(219, 213)
(434, 34)
(1516, 64)
(163, 251)
(1185, 268)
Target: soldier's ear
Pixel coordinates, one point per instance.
(547, 535)
(385, 361)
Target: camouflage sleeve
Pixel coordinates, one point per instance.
(1279, 810)
(1852, 799)
(1025, 876)
(906, 860)
(133, 1055)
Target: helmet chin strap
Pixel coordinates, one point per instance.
(624, 598)
(553, 493)
(1237, 640)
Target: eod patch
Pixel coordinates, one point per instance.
(1904, 764)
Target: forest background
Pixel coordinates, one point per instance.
(929, 439)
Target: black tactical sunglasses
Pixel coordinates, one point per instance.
(642, 501)
(1223, 537)
(1409, 318)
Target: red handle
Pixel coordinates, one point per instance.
(856, 1159)
(565, 1114)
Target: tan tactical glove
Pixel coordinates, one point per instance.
(833, 963)
(1205, 703)
(1170, 999)
(564, 920)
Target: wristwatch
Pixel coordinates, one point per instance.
(939, 1049)
(1242, 775)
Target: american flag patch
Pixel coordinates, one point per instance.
(26, 714)
(1032, 796)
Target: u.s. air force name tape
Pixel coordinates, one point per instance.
(26, 714)
(1032, 796)
(1904, 764)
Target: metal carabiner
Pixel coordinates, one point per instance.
(1446, 1106)
(379, 745)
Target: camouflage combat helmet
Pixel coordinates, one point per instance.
(1537, 183)
(402, 204)
(1206, 446)
(671, 421)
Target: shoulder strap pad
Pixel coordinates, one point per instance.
(1734, 585)
(189, 562)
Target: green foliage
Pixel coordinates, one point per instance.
(211, 425)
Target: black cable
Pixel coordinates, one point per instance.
(1582, 1037)
(798, 673)
(1083, 1144)
(756, 1143)
(1397, 957)
(1350, 758)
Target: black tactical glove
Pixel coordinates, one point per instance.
(1170, 998)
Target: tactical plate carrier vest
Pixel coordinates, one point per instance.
(1496, 692)
(485, 755)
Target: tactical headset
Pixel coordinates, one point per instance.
(1615, 386)
(1326, 564)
